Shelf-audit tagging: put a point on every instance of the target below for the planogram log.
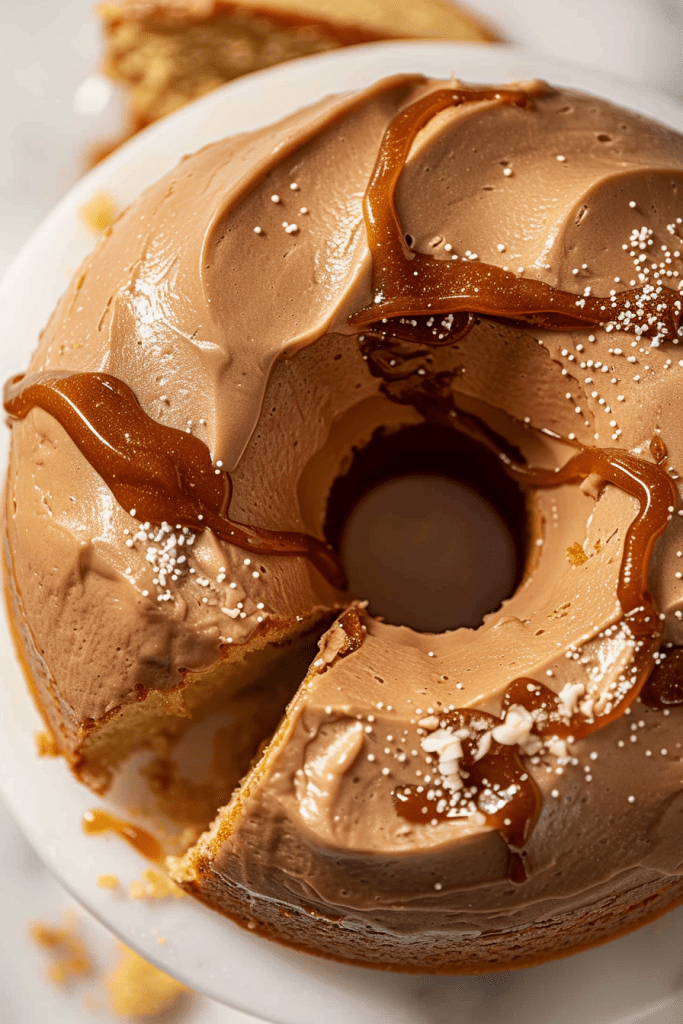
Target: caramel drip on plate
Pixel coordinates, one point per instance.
(157, 473)
(96, 822)
(411, 287)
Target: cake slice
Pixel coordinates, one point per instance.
(168, 52)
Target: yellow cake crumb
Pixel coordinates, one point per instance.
(46, 745)
(137, 989)
(576, 555)
(154, 885)
(99, 212)
(107, 881)
(71, 959)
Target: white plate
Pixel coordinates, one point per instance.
(636, 979)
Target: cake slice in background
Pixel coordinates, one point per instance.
(168, 52)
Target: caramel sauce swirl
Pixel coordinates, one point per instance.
(157, 473)
(411, 287)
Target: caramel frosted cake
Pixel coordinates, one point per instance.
(496, 272)
(167, 52)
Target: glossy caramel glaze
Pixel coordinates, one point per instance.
(157, 473)
(411, 284)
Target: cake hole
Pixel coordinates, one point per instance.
(431, 531)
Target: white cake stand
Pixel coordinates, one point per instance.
(632, 980)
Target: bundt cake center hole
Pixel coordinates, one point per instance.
(430, 529)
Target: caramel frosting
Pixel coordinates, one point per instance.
(503, 260)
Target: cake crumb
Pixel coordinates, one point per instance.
(137, 989)
(46, 744)
(154, 885)
(107, 881)
(71, 958)
(576, 555)
(98, 214)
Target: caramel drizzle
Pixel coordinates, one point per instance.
(500, 767)
(415, 285)
(157, 473)
(657, 497)
(498, 777)
(413, 289)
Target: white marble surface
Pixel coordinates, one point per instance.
(47, 49)
(29, 893)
